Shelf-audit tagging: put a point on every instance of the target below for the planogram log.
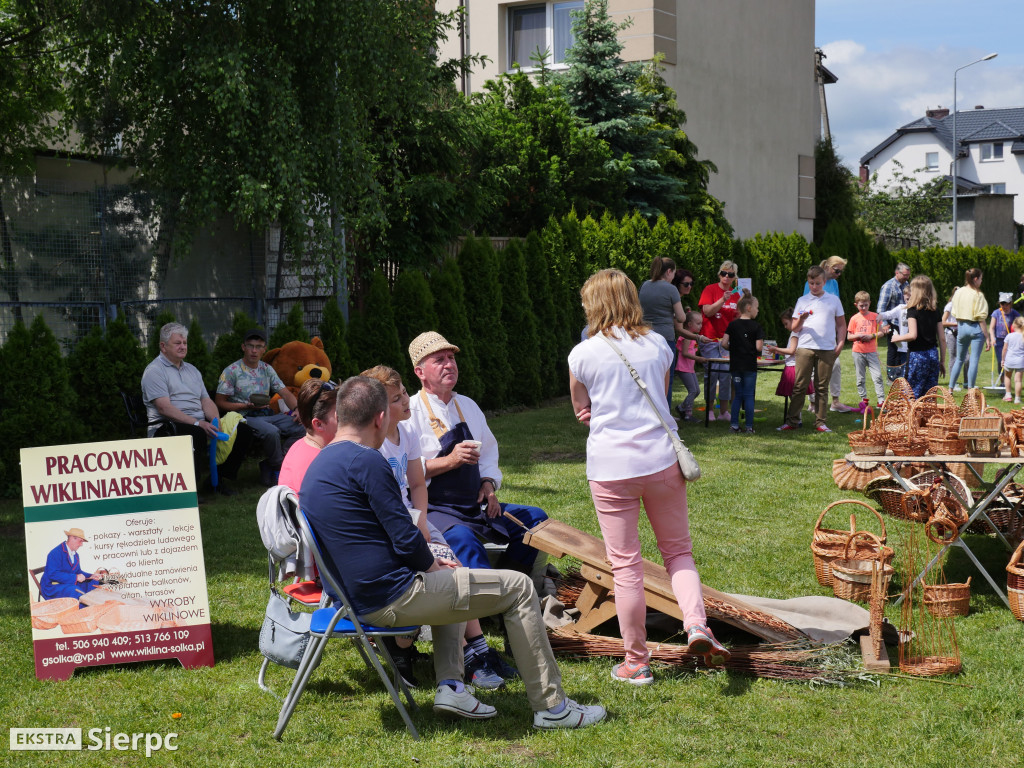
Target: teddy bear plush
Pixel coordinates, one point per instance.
(297, 362)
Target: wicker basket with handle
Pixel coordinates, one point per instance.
(1015, 583)
(828, 544)
(868, 441)
(851, 574)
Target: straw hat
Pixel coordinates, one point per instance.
(427, 344)
(77, 532)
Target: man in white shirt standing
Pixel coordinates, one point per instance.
(821, 340)
(460, 462)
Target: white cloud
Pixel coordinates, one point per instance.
(878, 91)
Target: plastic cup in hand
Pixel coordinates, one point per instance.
(474, 444)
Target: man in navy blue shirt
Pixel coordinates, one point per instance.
(353, 502)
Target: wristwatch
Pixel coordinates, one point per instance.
(196, 424)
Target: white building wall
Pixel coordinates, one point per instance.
(744, 75)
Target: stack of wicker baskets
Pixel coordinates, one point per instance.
(869, 441)
(936, 417)
(894, 421)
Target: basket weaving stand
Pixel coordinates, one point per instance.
(596, 601)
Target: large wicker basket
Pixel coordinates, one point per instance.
(1015, 583)
(851, 574)
(47, 614)
(828, 544)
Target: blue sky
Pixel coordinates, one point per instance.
(896, 59)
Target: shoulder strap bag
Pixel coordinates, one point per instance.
(687, 463)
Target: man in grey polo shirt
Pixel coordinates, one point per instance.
(173, 390)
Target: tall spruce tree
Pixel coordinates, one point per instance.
(332, 334)
(372, 338)
(834, 199)
(538, 280)
(414, 314)
(603, 90)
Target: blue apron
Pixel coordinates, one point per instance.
(452, 496)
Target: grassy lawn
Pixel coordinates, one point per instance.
(751, 516)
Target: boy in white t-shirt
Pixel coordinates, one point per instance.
(401, 449)
(822, 337)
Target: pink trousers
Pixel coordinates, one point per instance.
(618, 512)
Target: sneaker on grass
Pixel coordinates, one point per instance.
(569, 715)
(639, 674)
(462, 703)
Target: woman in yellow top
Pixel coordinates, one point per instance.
(970, 310)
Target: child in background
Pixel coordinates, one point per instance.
(898, 316)
(862, 331)
(1013, 359)
(788, 376)
(743, 338)
(401, 449)
(685, 364)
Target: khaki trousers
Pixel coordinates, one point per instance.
(806, 359)
(448, 598)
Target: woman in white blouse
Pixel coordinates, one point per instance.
(630, 458)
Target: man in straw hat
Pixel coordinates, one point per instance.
(64, 576)
(460, 462)
(354, 506)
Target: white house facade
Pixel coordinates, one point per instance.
(991, 143)
(744, 73)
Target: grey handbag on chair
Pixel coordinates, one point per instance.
(285, 633)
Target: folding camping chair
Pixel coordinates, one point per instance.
(341, 621)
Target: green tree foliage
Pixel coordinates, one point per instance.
(902, 211)
(538, 159)
(678, 153)
(31, 414)
(478, 265)
(315, 115)
(102, 364)
(334, 338)
(32, 39)
(414, 314)
(549, 333)
(292, 328)
(372, 336)
(834, 185)
(603, 90)
(524, 386)
(453, 323)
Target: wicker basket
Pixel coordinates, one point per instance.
(935, 413)
(943, 527)
(943, 485)
(907, 445)
(930, 666)
(868, 442)
(130, 618)
(47, 614)
(1015, 583)
(973, 403)
(943, 600)
(851, 574)
(829, 544)
(894, 418)
(80, 622)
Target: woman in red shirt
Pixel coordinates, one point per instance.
(718, 305)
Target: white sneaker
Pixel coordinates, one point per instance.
(1016, 401)
(463, 704)
(573, 716)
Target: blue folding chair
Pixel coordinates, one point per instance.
(341, 621)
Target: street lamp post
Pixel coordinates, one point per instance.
(956, 150)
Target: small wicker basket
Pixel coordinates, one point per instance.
(828, 544)
(868, 441)
(47, 614)
(944, 600)
(851, 574)
(930, 666)
(1015, 583)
